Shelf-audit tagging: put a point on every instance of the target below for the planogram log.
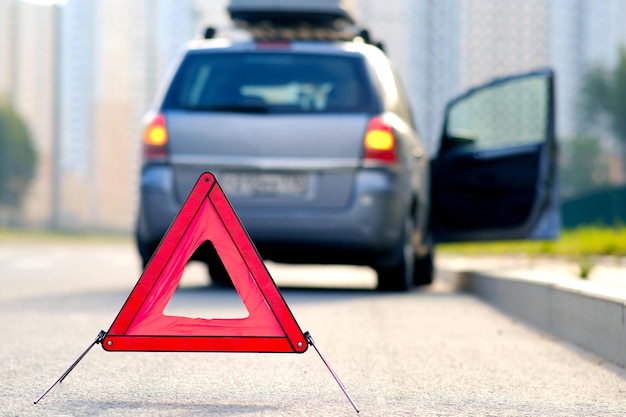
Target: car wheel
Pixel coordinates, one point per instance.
(398, 275)
(217, 272)
(145, 249)
(424, 270)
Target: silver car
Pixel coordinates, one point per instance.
(315, 146)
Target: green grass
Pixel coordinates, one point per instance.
(14, 235)
(579, 243)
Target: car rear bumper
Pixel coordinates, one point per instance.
(370, 223)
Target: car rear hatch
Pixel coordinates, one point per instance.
(292, 160)
(277, 129)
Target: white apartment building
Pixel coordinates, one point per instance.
(82, 75)
(5, 45)
(108, 57)
(502, 37)
(28, 76)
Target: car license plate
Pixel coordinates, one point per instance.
(275, 184)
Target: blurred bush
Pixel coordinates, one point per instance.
(584, 166)
(18, 158)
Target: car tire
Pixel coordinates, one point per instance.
(217, 272)
(424, 271)
(145, 249)
(398, 274)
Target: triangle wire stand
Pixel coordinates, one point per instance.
(103, 334)
(309, 338)
(98, 339)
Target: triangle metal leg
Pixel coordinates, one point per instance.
(98, 339)
(309, 338)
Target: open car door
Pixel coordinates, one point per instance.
(494, 177)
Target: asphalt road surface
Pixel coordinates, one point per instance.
(431, 352)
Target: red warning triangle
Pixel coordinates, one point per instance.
(206, 216)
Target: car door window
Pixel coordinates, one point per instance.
(512, 114)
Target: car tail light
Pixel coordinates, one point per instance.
(379, 143)
(155, 139)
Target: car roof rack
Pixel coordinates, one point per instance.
(319, 20)
(318, 13)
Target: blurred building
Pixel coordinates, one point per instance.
(502, 37)
(583, 33)
(5, 45)
(84, 74)
(27, 75)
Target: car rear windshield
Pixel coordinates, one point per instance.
(270, 82)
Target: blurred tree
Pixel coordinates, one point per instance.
(17, 157)
(603, 101)
(583, 166)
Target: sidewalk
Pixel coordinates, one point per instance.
(548, 293)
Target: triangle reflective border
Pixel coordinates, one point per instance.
(205, 216)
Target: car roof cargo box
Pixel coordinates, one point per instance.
(317, 13)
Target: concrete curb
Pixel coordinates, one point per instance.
(591, 315)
